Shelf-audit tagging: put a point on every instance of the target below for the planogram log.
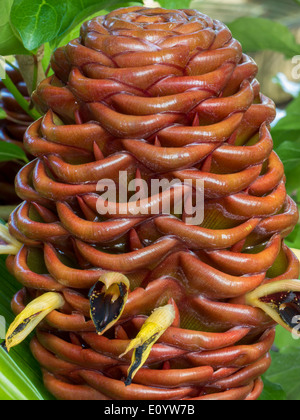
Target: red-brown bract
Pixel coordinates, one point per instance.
(142, 85)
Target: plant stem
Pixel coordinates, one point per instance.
(31, 69)
(33, 113)
(35, 73)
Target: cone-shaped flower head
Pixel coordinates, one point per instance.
(154, 104)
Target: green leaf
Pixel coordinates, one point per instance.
(287, 129)
(9, 43)
(9, 151)
(286, 137)
(285, 341)
(42, 21)
(272, 392)
(293, 240)
(37, 21)
(20, 374)
(14, 384)
(73, 30)
(175, 4)
(285, 371)
(80, 10)
(289, 153)
(256, 34)
(2, 114)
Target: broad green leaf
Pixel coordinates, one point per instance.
(293, 240)
(14, 383)
(9, 151)
(289, 153)
(37, 21)
(256, 34)
(294, 107)
(286, 137)
(272, 392)
(80, 10)
(175, 4)
(42, 21)
(284, 340)
(73, 30)
(285, 371)
(287, 129)
(292, 183)
(9, 43)
(72, 33)
(20, 374)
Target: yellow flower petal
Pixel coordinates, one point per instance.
(157, 323)
(107, 300)
(30, 317)
(11, 245)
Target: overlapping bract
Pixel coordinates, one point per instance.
(159, 94)
(12, 130)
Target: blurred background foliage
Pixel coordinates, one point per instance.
(269, 31)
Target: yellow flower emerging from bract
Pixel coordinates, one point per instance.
(157, 323)
(11, 245)
(107, 300)
(30, 317)
(280, 300)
